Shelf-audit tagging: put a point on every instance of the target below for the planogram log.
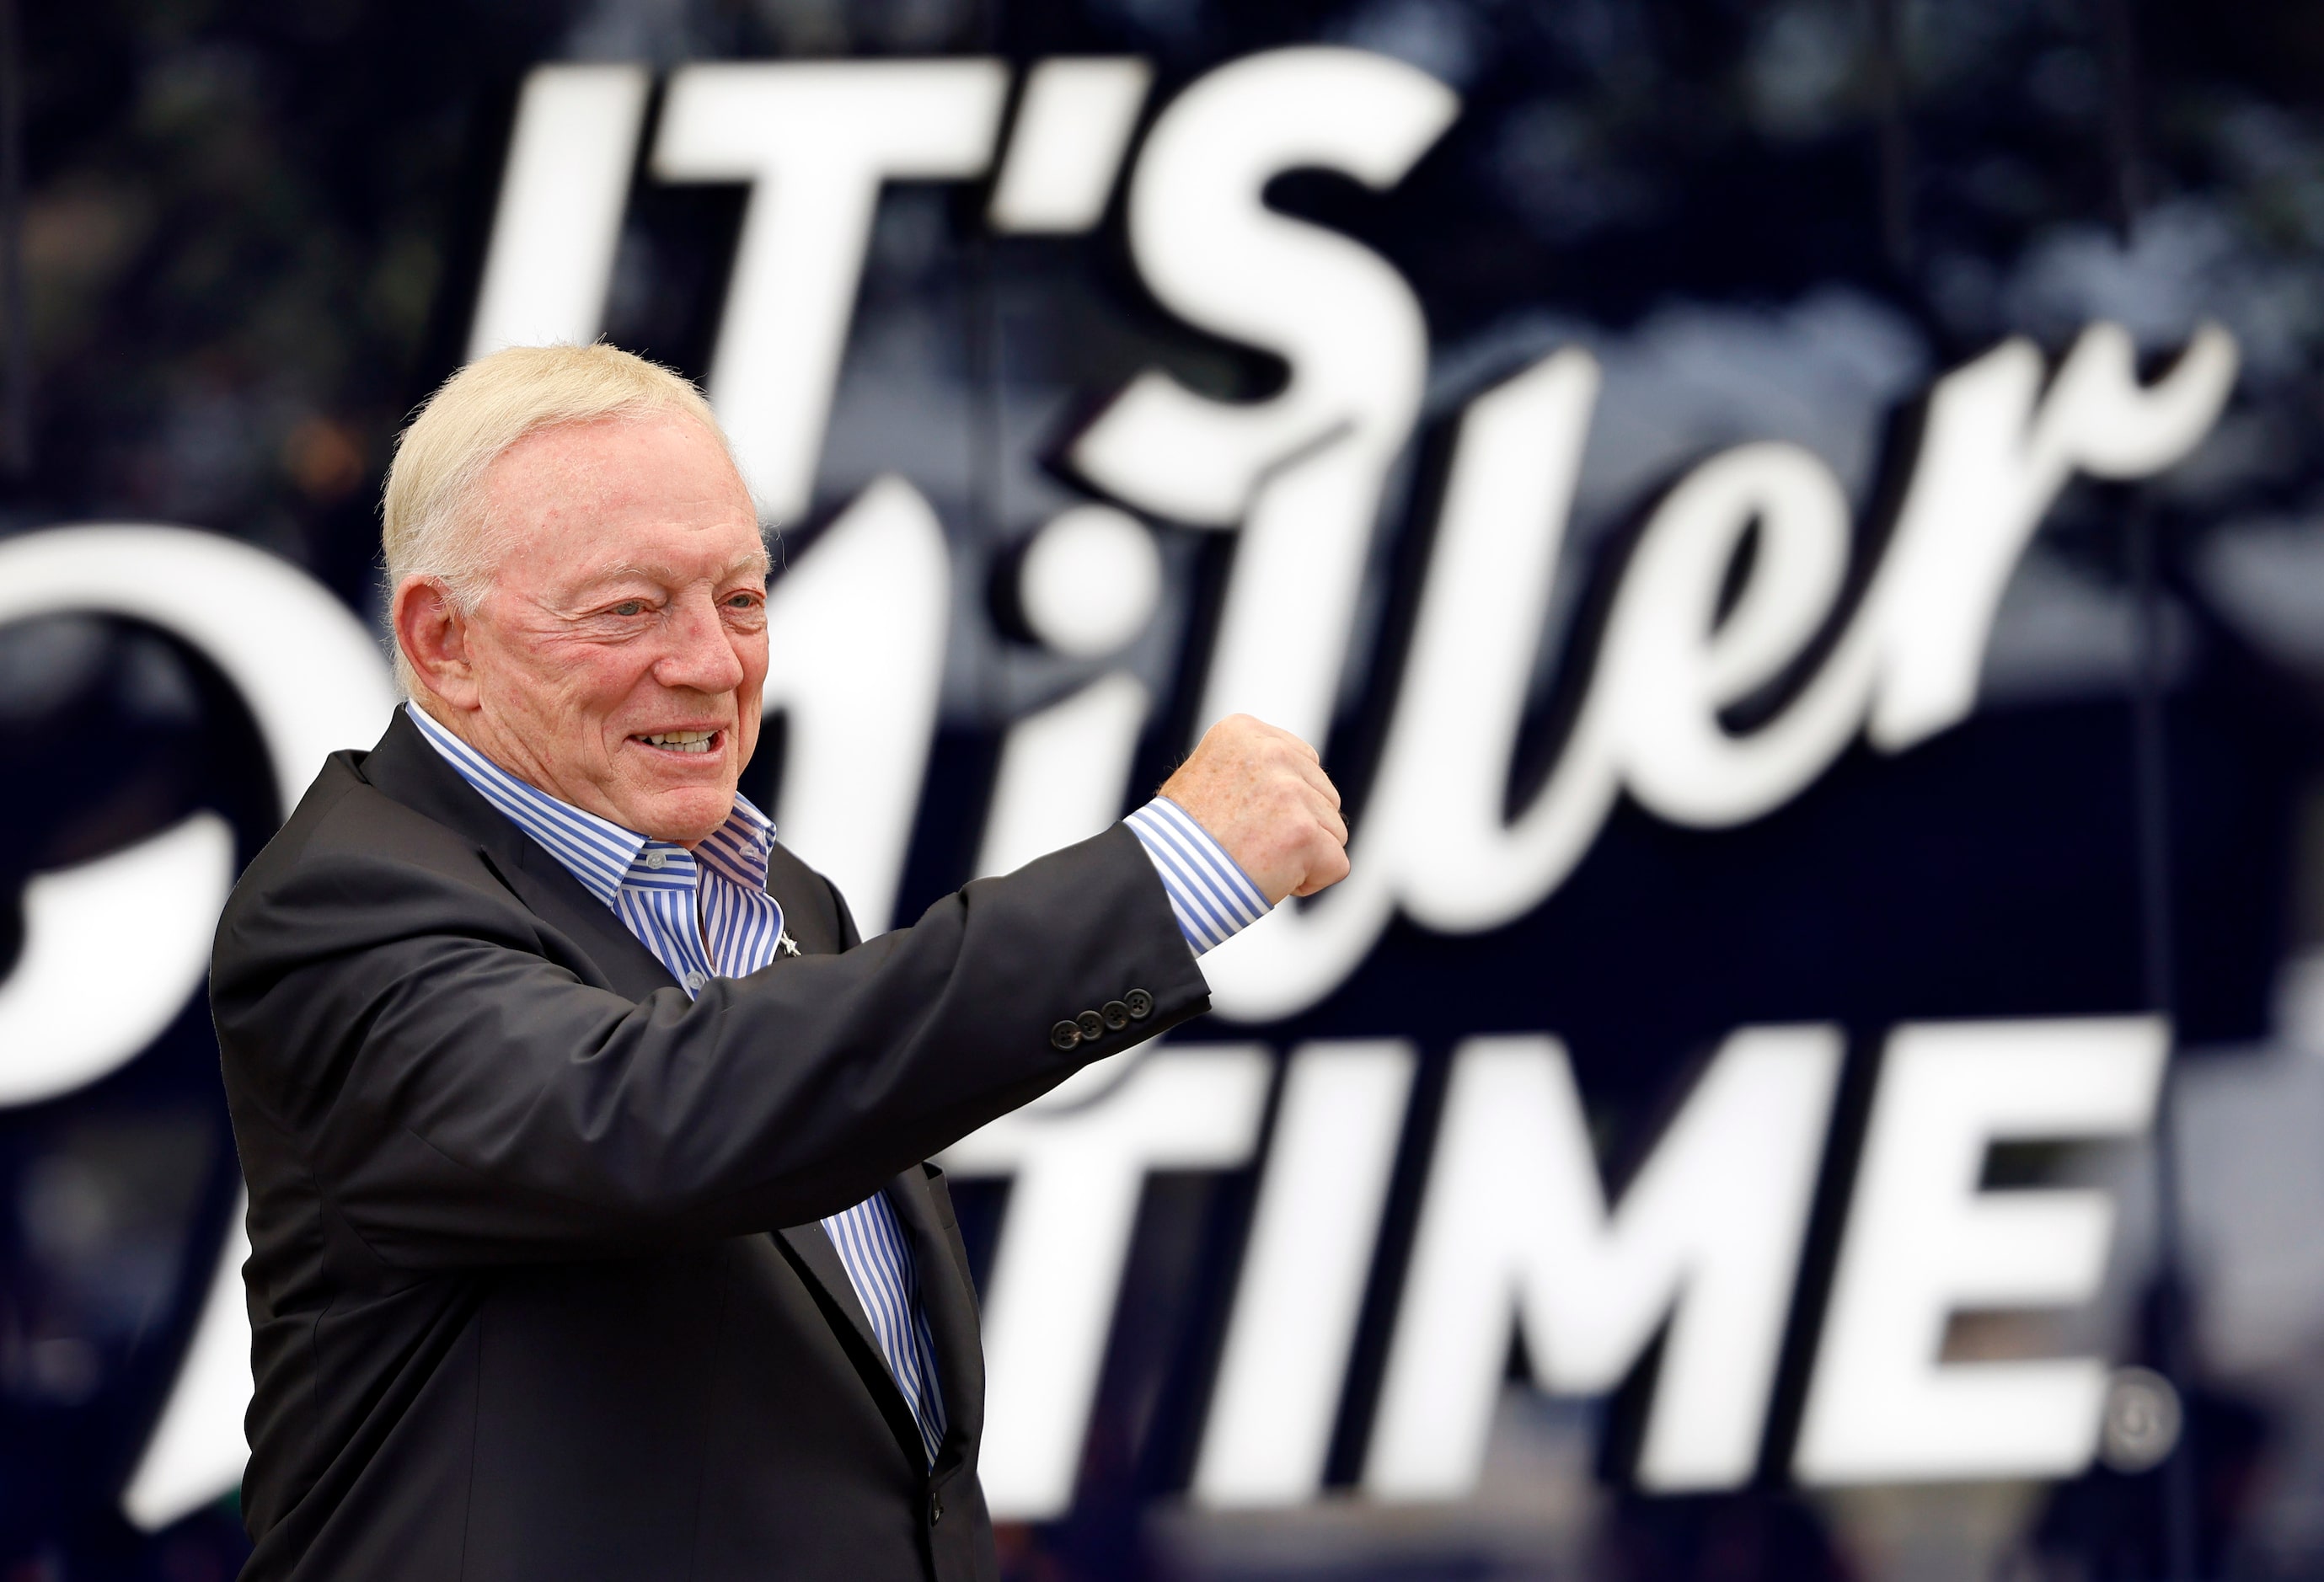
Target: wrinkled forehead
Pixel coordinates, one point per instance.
(676, 572)
(655, 496)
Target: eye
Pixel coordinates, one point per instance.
(744, 601)
(629, 607)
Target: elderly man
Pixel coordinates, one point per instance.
(590, 1235)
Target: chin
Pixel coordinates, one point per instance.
(687, 818)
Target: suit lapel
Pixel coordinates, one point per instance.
(406, 767)
(809, 913)
(924, 1206)
(557, 897)
(811, 1251)
(811, 1248)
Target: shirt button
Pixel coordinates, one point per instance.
(654, 859)
(694, 980)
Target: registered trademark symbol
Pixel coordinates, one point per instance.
(2142, 1421)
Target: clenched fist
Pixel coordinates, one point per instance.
(1263, 795)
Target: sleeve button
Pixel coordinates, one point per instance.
(1138, 1004)
(1092, 1025)
(1116, 1014)
(1065, 1036)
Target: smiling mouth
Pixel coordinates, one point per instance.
(691, 742)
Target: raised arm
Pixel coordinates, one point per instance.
(459, 1098)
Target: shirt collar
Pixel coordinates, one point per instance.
(600, 854)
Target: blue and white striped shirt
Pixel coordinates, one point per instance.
(705, 914)
(1214, 900)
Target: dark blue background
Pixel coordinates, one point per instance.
(252, 235)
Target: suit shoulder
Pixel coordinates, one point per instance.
(349, 845)
(344, 814)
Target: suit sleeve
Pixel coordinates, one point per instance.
(461, 1098)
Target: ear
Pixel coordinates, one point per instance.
(433, 634)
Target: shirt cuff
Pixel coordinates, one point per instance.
(1213, 899)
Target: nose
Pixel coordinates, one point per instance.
(698, 650)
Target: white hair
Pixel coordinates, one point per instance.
(432, 529)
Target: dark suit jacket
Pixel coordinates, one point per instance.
(536, 1281)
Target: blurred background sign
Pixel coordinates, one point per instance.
(1796, 524)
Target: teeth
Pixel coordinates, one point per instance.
(684, 740)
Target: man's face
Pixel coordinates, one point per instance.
(618, 659)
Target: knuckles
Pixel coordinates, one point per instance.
(1265, 785)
